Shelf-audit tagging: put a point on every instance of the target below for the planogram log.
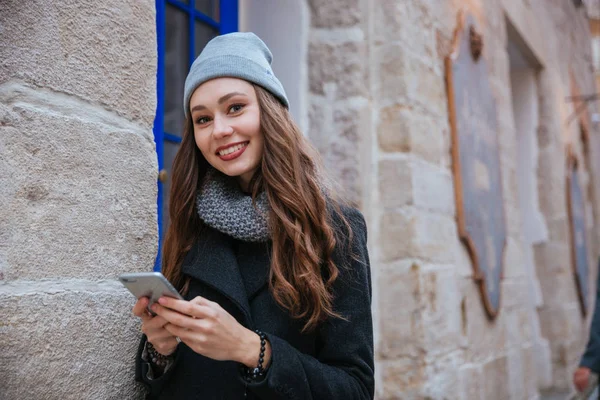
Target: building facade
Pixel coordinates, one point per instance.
(90, 120)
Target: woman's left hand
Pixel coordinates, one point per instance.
(208, 329)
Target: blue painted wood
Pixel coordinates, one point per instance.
(171, 138)
(191, 10)
(229, 16)
(159, 118)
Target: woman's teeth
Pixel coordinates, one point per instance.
(232, 149)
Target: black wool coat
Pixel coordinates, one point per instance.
(335, 361)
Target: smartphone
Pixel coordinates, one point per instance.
(149, 284)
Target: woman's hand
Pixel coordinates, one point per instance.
(154, 329)
(208, 329)
(581, 378)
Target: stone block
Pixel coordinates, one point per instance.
(516, 293)
(395, 71)
(335, 14)
(552, 258)
(543, 364)
(471, 382)
(552, 184)
(395, 183)
(433, 188)
(516, 374)
(403, 129)
(443, 377)
(512, 218)
(510, 186)
(402, 378)
(82, 192)
(400, 299)
(532, 375)
(390, 25)
(73, 47)
(341, 153)
(395, 128)
(484, 338)
(519, 324)
(401, 77)
(558, 288)
(559, 323)
(408, 233)
(558, 230)
(514, 262)
(496, 379)
(442, 316)
(342, 64)
(68, 345)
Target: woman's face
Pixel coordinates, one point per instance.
(226, 119)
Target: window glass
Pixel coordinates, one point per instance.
(176, 67)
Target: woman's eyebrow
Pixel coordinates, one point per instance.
(220, 101)
(230, 95)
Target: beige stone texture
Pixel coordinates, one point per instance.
(68, 343)
(77, 104)
(334, 14)
(401, 379)
(80, 189)
(395, 183)
(496, 379)
(514, 262)
(401, 299)
(552, 258)
(390, 26)
(101, 52)
(425, 272)
(471, 382)
(408, 234)
(405, 129)
(341, 64)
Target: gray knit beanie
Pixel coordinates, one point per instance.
(237, 55)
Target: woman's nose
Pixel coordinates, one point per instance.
(221, 128)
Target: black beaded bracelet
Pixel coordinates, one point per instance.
(156, 358)
(252, 374)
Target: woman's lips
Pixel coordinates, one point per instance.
(234, 154)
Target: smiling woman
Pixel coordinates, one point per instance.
(226, 119)
(272, 266)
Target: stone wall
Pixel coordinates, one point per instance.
(379, 116)
(78, 193)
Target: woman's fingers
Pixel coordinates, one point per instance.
(161, 334)
(165, 345)
(198, 307)
(156, 322)
(174, 317)
(140, 307)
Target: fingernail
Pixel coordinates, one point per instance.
(162, 300)
(154, 307)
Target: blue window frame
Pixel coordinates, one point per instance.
(183, 28)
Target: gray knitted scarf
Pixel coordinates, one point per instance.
(223, 206)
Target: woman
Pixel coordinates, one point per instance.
(274, 273)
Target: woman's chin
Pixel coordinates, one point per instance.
(233, 171)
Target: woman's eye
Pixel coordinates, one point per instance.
(236, 107)
(202, 120)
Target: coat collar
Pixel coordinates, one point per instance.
(215, 261)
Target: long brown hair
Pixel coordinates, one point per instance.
(303, 238)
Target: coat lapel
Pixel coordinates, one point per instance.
(212, 260)
(254, 262)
